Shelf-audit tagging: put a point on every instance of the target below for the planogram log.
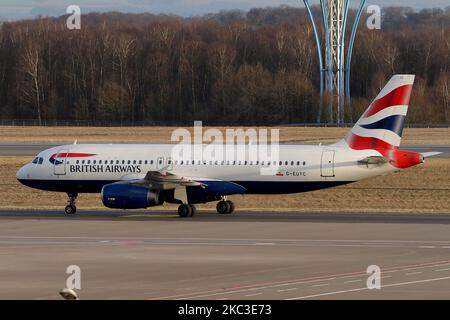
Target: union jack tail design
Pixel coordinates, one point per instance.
(380, 127)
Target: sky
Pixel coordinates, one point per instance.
(20, 9)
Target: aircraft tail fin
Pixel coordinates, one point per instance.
(381, 126)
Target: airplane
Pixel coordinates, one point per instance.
(138, 176)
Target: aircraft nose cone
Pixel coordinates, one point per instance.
(21, 174)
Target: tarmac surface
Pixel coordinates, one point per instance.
(246, 255)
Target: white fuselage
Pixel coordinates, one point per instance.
(88, 167)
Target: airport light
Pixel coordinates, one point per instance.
(334, 65)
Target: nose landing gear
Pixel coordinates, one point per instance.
(71, 208)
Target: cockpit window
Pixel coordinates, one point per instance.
(38, 160)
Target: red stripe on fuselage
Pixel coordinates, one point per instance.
(398, 96)
(72, 155)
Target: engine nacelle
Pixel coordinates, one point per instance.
(127, 196)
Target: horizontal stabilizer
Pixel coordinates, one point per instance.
(430, 154)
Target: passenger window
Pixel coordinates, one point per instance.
(140, 161)
(94, 162)
(292, 163)
(82, 161)
(78, 161)
(298, 163)
(151, 161)
(304, 163)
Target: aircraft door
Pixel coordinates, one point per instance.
(327, 164)
(59, 162)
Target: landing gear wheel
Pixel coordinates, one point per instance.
(70, 209)
(231, 204)
(193, 210)
(223, 207)
(185, 210)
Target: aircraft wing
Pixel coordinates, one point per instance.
(163, 180)
(168, 180)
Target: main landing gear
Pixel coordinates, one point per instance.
(71, 208)
(225, 207)
(186, 210)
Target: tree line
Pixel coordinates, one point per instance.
(256, 67)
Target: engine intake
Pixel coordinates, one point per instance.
(126, 196)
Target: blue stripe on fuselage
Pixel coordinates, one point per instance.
(252, 187)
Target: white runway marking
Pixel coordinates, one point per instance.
(360, 289)
(439, 270)
(253, 294)
(285, 290)
(320, 285)
(413, 273)
(290, 283)
(352, 281)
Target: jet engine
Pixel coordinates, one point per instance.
(128, 196)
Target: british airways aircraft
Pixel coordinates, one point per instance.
(142, 176)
